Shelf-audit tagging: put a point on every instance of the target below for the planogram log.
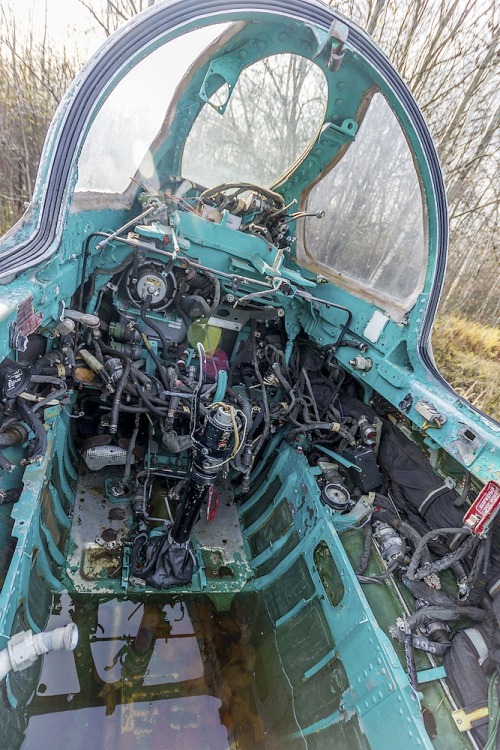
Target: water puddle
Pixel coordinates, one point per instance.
(177, 676)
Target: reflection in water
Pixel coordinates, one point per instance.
(148, 676)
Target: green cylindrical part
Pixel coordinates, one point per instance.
(91, 361)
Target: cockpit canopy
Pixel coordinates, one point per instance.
(286, 106)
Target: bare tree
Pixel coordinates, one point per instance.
(108, 15)
(34, 80)
(448, 54)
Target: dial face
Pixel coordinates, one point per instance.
(335, 495)
(152, 284)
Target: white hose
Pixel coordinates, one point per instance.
(24, 648)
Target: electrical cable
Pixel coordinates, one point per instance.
(412, 568)
(38, 446)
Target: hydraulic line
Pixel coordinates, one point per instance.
(5, 464)
(448, 561)
(155, 358)
(383, 576)
(436, 613)
(412, 568)
(265, 402)
(152, 324)
(287, 387)
(38, 446)
(422, 643)
(61, 389)
(403, 527)
(311, 393)
(123, 381)
(143, 396)
(130, 450)
(326, 426)
(367, 547)
(410, 656)
(115, 409)
(216, 300)
(13, 434)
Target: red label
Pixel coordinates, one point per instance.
(27, 319)
(484, 509)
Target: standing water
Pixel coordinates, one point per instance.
(150, 676)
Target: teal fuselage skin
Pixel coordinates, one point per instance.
(63, 255)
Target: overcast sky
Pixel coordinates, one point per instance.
(68, 23)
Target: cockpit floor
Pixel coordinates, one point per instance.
(101, 529)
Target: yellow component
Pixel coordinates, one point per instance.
(465, 721)
(199, 332)
(83, 374)
(145, 341)
(426, 425)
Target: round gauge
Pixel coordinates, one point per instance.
(335, 496)
(151, 280)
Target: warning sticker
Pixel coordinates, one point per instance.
(484, 509)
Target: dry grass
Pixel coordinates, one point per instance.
(468, 355)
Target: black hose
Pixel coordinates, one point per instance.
(476, 580)
(68, 342)
(62, 388)
(412, 568)
(381, 578)
(436, 613)
(130, 450)
(147, 401)
(447, 561)
(421, 642)
(156, 360)
(311, 393)
(425, 593)
(136, 389)
(48, 360)
(98, 353)
(487, 552)
(458, 570)
(326, 426)
(115, 409)
(287, 387)
(367, 548)
(5, 464)
(265, 402)
(143, 378)
(126, 375)
(38, 446)
(414, 536)
(216, 300)
(14, 434)
(151, 324)
(410, 657)
(52, 371)
(86, 251)
(128, 409)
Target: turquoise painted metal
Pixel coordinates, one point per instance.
(140, 254)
